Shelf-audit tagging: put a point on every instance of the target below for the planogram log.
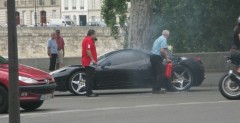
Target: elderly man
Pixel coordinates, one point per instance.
(158, 54)
(61, 44)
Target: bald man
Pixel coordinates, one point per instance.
(158, 54)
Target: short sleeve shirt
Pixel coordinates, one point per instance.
(158, 44)
(60, 43)
(88, 44)
(53, 46)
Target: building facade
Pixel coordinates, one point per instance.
(82, 11)
(40, 12)
(32, 12)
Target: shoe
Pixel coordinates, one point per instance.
(92, 95)
(159, 92)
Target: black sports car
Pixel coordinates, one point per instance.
(129, 68)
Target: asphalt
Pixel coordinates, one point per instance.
(202, 104)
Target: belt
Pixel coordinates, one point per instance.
(59, 50)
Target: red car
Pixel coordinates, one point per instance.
(35, 86)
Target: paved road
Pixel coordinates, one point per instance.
(200, 105)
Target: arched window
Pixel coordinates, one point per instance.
(17, 18)
(74, 19)
(43, 18)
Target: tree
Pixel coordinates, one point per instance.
(139, 24)
(195, 25)
(112, 9)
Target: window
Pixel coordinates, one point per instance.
(93, 4)
(67, 17)
(53, 2)
(66, 4)
(73, 4)
(5, 3)
(127, 57)
(41, 2)
(75, 19)
(16, 3)
(30, 2)
(53, 14)
(81, 4)
(23, 2)
(93, 18)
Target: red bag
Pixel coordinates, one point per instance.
(168, 70)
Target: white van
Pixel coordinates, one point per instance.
(61, 22)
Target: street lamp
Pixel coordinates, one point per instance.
(35, 13)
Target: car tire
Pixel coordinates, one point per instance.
(76, 83)
(3, 100)
(31, 105)
(199, 71)
(181, 80)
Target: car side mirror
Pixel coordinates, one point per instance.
(108, 63)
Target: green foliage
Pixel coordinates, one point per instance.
(112, 9)
(198, 25)
(195, 25)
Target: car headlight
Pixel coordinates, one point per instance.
(27, 80)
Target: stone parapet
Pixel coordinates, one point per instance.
(32, 41)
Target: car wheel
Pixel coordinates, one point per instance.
(31, 105)
(181, 80)
(3, 100)
(76, 83)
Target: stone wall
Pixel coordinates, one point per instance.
(32, 41)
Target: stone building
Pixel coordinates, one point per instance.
(82, 11)
(32, 12)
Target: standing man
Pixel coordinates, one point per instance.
(158, 54)
(61, 44)
(89, 57)
(52, 51)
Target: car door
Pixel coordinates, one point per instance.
(120, 70)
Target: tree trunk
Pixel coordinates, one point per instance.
(139, 24)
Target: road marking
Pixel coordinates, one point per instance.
(84, 98)
(115, 108)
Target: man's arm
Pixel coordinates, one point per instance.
(164, 54)
(91, 57)
(49, 52)
(63, 47)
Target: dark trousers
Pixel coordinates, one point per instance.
(52, 62)
(90, 75)
(158, 72)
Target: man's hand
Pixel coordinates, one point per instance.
(49, 54)
(168, 60)
(94, 62)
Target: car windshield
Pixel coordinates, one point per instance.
(3, 60)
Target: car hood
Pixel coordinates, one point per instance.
(28, 71)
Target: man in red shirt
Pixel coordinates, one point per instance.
(89, 60)
(60, 43)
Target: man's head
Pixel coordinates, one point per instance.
(91, 33)
(53, 35)
(57, 32)
(165, 33)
